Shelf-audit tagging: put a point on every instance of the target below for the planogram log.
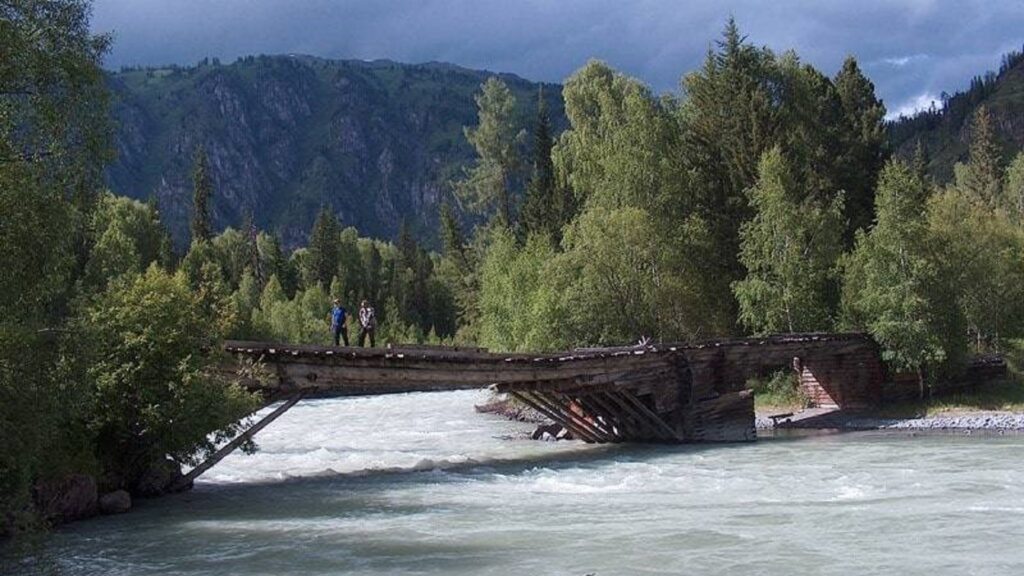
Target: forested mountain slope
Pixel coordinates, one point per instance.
(375, 141)
(943, 132)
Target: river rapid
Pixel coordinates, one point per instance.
(420, 484)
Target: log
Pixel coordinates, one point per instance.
(233, 445)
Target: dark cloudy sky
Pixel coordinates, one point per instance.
(912, 49)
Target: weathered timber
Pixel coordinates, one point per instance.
(233, 445)
(675, 392)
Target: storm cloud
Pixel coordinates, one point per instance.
(912, 49)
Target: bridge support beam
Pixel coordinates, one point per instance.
(237, 441)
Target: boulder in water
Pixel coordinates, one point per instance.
(551, 432)
(116, 502)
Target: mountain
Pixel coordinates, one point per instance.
(377, 141)
(943, 131)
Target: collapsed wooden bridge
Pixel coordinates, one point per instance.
(668, 393)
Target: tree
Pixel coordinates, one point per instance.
(452, 241)
(980, 252)
(982, 176)
(202, 196)
(322, 264)
(864, 139)
(892, 287)
(789, 249)
(542, 210)
(1013, 192)
(144, 343)
(55, 137)
(490, 186)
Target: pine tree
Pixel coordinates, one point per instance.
(541, 210)
(863, 135)
(252, 246)
(452, 241)
(323, 248)
(202, 196)
(490, 185)
(982, 176)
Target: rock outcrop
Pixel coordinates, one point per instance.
(376, 141)
(66, 500)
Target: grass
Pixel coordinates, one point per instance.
(777, 392)
(1006, 395)
(1003, 395)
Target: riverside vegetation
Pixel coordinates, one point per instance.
(761, 199)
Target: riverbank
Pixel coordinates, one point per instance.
(958, 421)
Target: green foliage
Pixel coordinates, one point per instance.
(515, 300)
(490, 187)
(864, 142)
(54, 139)
(547, 207)
(129, 237)
(893, 287)
(778, 390)
(149, 345)
(1013, 192)
(322, 263)
(982, 176)
(981, 253)
(619, 148)
(789, 249)
(202, 197)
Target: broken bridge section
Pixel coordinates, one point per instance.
(668, 393)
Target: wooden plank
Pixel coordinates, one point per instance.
(233, 445)
(555, 417)
(643, 429)
(555, 404)
(651, 416)
(612, 423)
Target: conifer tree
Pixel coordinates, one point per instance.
(541, 210)
(863, 135)
(202, 196)
(452, 241)
(490, 185)
(982, 176)
(323, 247)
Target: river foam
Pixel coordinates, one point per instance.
(420, 484)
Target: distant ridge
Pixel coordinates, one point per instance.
(943, 130)
(377, 141)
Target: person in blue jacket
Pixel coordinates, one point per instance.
(338, 327)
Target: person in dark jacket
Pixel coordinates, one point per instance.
(338, 327)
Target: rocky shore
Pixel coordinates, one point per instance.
(982, 421)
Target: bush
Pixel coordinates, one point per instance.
(779, 389)
(148, 348)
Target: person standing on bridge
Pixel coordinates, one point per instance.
(338, 323)
(367, 323)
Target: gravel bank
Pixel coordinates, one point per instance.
(981, 421)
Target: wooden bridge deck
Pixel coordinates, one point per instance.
(675, 392)
(667, 393)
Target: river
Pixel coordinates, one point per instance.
(420, 484)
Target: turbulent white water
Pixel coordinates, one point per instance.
(420, 484)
